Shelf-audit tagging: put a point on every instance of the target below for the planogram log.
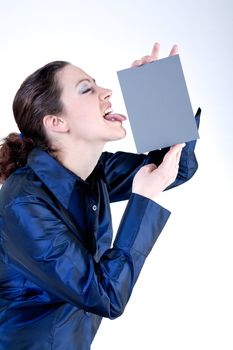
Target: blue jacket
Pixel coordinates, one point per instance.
(59, 273)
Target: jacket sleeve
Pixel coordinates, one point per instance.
(121, 167)
(40, 246)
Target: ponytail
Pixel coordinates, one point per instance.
(14, 151)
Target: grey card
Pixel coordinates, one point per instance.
(158, 104)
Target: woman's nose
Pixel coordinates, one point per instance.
(105, 93)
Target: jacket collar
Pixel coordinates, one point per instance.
(60, 180)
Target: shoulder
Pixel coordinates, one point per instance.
(24, 185)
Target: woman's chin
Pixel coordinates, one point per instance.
(121, 134)
(116, 135)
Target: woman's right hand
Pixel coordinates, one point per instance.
(151, 180)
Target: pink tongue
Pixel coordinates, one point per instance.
(118, 117)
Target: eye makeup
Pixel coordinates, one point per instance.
(84, 87)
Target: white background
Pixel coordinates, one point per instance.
(183, 298)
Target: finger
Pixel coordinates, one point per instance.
(174, 50)
(146, 59)
(177, 156)
(169, 159)
(136, 63)
(172, 156)
(155, 52)
(143, 60)
(178, 146)
(179, 153)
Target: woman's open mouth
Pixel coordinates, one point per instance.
(113, 117)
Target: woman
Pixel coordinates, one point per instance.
(59, 274)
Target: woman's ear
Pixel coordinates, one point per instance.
(55, 123)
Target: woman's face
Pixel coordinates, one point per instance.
(85, 104)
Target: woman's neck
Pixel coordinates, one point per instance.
(81, 158)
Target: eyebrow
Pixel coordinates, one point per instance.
(85, 79)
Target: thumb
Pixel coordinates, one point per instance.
(150, 167)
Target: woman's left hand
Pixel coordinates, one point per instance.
(154, 55)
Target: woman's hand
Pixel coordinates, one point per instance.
(154, 55)
(150, 180)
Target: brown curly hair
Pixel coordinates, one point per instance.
(39, 95)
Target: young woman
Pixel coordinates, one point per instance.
(59, 273)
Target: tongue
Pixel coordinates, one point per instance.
(115, 117)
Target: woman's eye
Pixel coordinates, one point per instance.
(84, 89)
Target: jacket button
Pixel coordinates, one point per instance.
(94, 207)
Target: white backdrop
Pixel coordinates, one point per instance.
(183, 298)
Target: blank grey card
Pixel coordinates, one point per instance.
(158, 104)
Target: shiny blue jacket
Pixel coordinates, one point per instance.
(59, 273)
